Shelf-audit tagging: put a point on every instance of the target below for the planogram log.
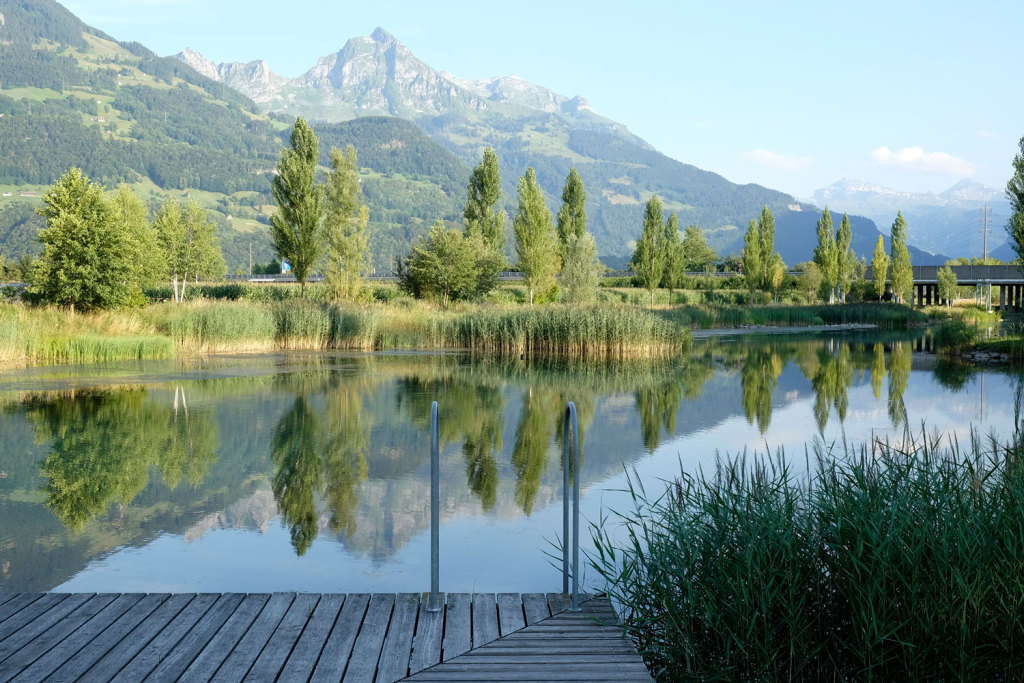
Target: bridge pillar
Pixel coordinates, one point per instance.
(1002, 298)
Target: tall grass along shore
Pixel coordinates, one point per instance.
(46, 335)
(884, 562)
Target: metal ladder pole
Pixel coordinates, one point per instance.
(570, 423)
(435, 511)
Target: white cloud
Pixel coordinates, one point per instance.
(916, 159)
(782, 162)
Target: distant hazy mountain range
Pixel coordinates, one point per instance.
(72, 95)
(949, 222)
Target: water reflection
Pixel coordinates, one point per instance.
(103, 443)
(334, 448)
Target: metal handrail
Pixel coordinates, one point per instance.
(570, 423)
(433, 605)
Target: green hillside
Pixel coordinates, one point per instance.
(73, 96)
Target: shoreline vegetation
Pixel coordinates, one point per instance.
(881, 561)
(609, 331)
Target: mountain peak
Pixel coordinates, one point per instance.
(379, 35)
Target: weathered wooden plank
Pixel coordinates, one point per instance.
(31, 612)
(558, 602)
(158, 649)
(112, 662)
(458, 633)
(184, 653)
(43, 642)
(15, 604)
(535, 607)
(362, 666)
(538, 672)
(206, 663)
(67, 647)
(304, 655)
(4, 597)
(426, 650)
(248, 649)
(396, 652)
(510, 613)
(40, 624)
(485, 619)
(338, 649)
(276, 651)
(76, 667)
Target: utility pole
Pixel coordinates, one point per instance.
(984, 232)
(250, 259)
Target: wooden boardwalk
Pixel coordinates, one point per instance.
(298, 637)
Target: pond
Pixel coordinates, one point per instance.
(310, 471)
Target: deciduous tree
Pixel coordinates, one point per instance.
(846, 260)
(346, 239)
(649, 257)
(880, 267)
(675, 257)
(581, 269)
(296, 225)
(902, 276)
(444, 265)
(481, 216)
(826, 253)
(1015, 195)
(947, 285)
(189, 242)
(87, 254)
(572, 216)
(536, 241)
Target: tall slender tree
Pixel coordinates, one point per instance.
(147, 259)
(536, 241)
(902, 276)
(826, 254)
(481, 216)
(673, 255)
(347, 246)
(1015, 195)
(296, 225)
(751, 260)
(880, 267)
(845, 258)
(649, 256)
(572, 216)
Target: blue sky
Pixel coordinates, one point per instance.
(791, 95)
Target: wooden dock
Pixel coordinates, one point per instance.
(316, 637)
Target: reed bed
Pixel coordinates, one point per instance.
(49, 335)
(883, 562)
(889, 316)
(567, 332)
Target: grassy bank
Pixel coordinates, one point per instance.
(884, 562)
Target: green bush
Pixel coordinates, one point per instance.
(953, 336)
(882, 563)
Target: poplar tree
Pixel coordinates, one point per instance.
(536, 241)
(481, 217)
(572, 217)
(826, 253)
(346, 239)
(1015, 195)
(580, 269)
(87, 256)
(880, 267)
(649, 256)
(770, 259)
(902, 277)
(296, 225)
(845, 258)
(675, 260)
(751, 260)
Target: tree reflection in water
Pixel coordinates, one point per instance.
(103, 442)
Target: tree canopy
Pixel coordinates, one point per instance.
(296, 225)
(536, 241)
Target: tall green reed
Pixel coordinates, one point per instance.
(881, 562)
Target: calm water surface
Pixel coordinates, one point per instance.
(310, 471)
